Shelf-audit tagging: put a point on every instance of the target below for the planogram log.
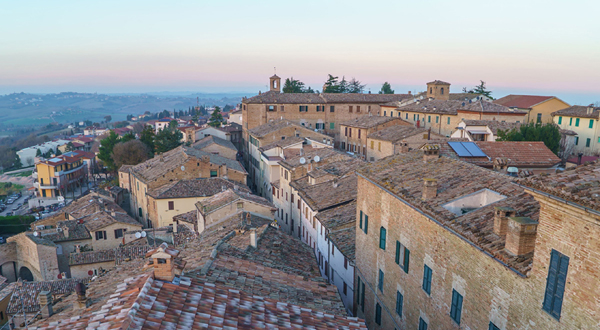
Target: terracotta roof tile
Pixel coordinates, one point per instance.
(522, 101)
(369, 121)
(452, 107)
(200, 187)
(579, 111)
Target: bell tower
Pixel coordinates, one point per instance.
(438, 90)
(275, 84)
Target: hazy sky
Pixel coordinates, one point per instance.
(525, 46)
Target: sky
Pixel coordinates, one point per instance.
(527, 46)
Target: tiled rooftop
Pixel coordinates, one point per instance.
(288, 141)
(201, 187)
(341, 222)
(309, 154)
(463, 96)
(579, 185)
(403, 175)
(25, 296)
(369, 121)
(71, 230)
(102, 219)
(519, 153)
(229, 196)
(327, 194)
(118, 255)
(322, 98)
(397, 133)
(579, 111)
(345, 239)
(210, 140)
(522, 101)
(190, 217)
(452, 107)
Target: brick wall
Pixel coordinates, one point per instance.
(491, 292)
(387, 148)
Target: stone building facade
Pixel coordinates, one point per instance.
(397, 139)
(353, 133)
(508, 264)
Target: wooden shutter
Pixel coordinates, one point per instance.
(397, 253)
(456, 309)
(399, 301)
(360, 224)
(358, 291)
(362, 298)
(382, 238)
(366, 224)
(406, 259)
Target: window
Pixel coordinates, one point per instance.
(281, 108)
(448, 124)
(571, 121)
(380, 284)
(555, 283)
(385, 113)
(591, 123)
(576, 122)
(118, 233)
(427, 279)
(350, 132)
(320, 108)
(303, 108)
(345, 131)
(331, 108)
(271, 108)
(382, 237)
(407, 115)
(372, 144)
(399, 301)
(213, 173)
(442, 90)
(587, 142)
(171, 205)
(430, 90)
(422, 324)
(358, 290)
(577, 140)
(493, 327)
(366, 224)
(140, 211)
(350, 109)
(437, 119)
(391, 113)
(358, 108)
(429, 119)
(378, 314)
(559, 122)
(331, 125)
(378, 146)
(456, 308)
(345, 288)
(359, 133)
(100, 235)
(539, 118)
(1, 315)
(402, 256)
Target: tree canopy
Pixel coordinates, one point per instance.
(147, 138)
(386, 88)
(547, 133)
(332, 85)
(106, 148)
(216, 118)
(479, 89)
(167, 139)
(131, 152)
(292, 85)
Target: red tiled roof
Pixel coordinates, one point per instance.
(520, 153)
(522, 101)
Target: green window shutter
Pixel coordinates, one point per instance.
(448, 120)
(576, 122)
(358, 291)
(380, 284)
(362, 298)
(427, 279)
(397, 253)
(555, 284)
(378, 314)
(382, 237)
(422, 324)
(493, 327)
(331, 125)
(406, 259)
(456, 307)
(399, 301)
(591, 123)
(360, 224)
(571, 121)
(559, 120)
(366, 224)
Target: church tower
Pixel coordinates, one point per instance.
(438, 90)
(275, 83)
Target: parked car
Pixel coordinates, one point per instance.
(8, 214)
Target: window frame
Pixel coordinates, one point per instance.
(382, 237)
(427, 275)
(456, 306)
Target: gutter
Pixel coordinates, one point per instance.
(443, 226)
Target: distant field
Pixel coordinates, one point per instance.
(21, 174)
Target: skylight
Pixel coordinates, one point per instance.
(473, 201)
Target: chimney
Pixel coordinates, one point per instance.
(161, 157)
(253, 237)
(82, 301)
(429, 189)
(162, 260)
(579, 157)
(501, 215)
(78, 248)
(431, 152)
(520, 236)
(113, 213)
(590, 109)
(404, 147)
(335, 183)
(45, 302)
(409, 93)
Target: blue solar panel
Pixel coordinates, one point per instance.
(460, 150)
(473, 149)
(466, 149)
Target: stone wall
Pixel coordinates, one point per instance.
(491, 291)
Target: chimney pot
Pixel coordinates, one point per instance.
(253, 237)
(501, 215)
(431, 152)
(45, 302)
(520, 236)
(429, 189)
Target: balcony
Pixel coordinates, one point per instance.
(34, 175)
(75, 169)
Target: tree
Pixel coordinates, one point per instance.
(38, 152)
(548, 133)
(228, 107)
(107, 118)
(17, 163)
(479, 89)
(292, 85)
(106, 148)
(386, 88)
(168, 138)
(215, 118)
(58, 152)
(147, 138)
(354, 86)
(129, 117)
(127, 137)
(129, 153)
(331, 85)
(70, 147)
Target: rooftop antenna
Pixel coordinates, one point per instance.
(275, 70)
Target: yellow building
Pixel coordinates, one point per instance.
(539, 108)
(55, 176)
(583, 121)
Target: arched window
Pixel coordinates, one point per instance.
(442, 90)
(430, 90)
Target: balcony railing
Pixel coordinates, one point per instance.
(70, 171)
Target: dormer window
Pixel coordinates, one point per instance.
(161, 261)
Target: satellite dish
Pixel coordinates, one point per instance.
(36, 234)
(317, 159)
(143, 234)
(138, 235)
(182, 168)
(302, 160)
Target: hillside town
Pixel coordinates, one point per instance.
(277, 214)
